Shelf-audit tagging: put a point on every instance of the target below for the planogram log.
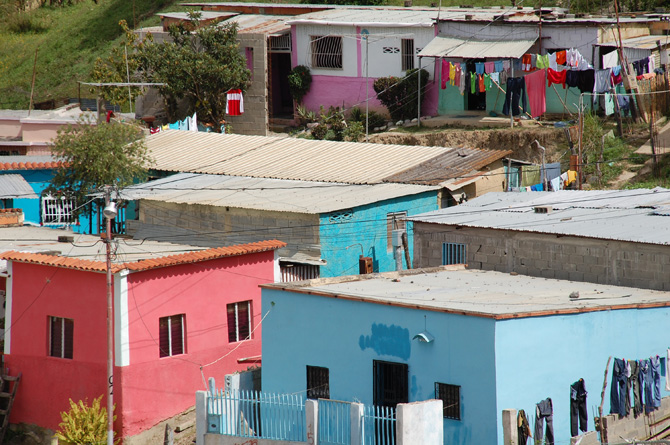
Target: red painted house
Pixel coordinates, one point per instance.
(178, 320)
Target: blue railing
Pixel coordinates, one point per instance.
(334, 422)
(378, 425)
(257, 414)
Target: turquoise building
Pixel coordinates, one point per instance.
(482, 341)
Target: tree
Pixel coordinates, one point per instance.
(197, 66)
(95, 155)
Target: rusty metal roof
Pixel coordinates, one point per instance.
(455, 164)
(271, 25)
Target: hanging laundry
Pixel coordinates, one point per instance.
(183, 125)
(506, 65)
(651, 64)
(537, 187)
(526, 62)
(456, 80)
(234, 102)
(516, 92)
(637, 379)
(523, 428)
(603, 80)
(530, 175)
(571, 78)
(479, 67)
(495, 78)
(489, 67)
(655, 366)
(616, 75)
(557, 77)
(452, 73)
(174, 126)
(544, 412)
(503, 77)
(154, 130)
(461, 83)
(609, 104)
(481, 86)
(619, 399)
(498, 66)
(165, 127)
(649, 75)
(555, 184)
(473, 81)
(560, 57)
(542, 61)
(445, 74)
(586, 81)
(487, 81)
(579, 415)
(535, 86)
(193, 122)
(552, 62)
(533, 61)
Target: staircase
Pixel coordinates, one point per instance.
(8, 387)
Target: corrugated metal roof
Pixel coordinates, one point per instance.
(260, 24)
(15, 187)
(381, 16)
(455, 47)
(283, 158)
(478, 293)
(267, 194)
(643, 42)
(458, 164)
(204, 15)
(622, 215)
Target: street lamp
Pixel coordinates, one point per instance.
(110, 213)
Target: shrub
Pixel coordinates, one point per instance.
(84, 424)
(299, 81)
(353, 132)
(374, 119)
(319, 132)
(399, 94)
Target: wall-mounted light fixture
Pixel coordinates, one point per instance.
(425, 336)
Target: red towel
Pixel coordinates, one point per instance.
(554, 76)
(536, 90)
(445, 74)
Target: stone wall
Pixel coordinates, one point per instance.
(562, 257)
(255, 119)
(205, 225)
(645, 427)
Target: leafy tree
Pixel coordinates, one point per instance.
(299, 81)
(398, 94)
(197, 66)
(95, 155)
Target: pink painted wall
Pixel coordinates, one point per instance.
(10, 128)
(150, 388)
(350, 91)
(40, 132)
(48, 382)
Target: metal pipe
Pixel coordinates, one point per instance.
(110, 328)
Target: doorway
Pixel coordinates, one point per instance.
(476, 101)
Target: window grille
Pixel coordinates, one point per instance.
(61, 333)
(394, 221)
(340, 216)
(298, 271)
(239, 321)
(171, 335)
(390, 50)
(326, 52)
(280, 43)
(318, 382)
(407, 55)
(451, 399)
(57, 210)
(453, 253)
(390, 383)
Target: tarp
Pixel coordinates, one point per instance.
(476, 49)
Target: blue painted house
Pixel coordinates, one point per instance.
(331, 202)
(482, 341)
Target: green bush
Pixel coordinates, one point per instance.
(84, 424)
(374, 120)
(399, 94)
(299, 81)
(319, 132)
(353, 132)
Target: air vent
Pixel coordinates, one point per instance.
(543, 209)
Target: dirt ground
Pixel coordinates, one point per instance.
(518, 140)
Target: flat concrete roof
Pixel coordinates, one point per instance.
(489, 294)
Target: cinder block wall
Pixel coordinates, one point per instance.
(591, 260)
(204, 225)
(255, 119)
(643, 427)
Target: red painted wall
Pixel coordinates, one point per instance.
(48, 382)
(151, 388)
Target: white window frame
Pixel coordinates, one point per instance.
(57, 210)
(407, 54)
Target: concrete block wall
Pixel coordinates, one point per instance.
(581, 37)
(255, 119)
(213, 225)
(645, 426)
(566, 258)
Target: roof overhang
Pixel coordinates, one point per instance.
(453, 47)
(15, 187)
(361, 24)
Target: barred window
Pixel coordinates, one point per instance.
(451, 399)
(61, 337)
(239, 321)
(318, 382)
(326, 52)
(407, 55)
(57, 210)
(453, 253)
(171, 335)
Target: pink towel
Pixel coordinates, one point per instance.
(489, 67)
(445, 73)
(536, 90)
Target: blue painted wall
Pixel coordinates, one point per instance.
(346, 336)
(367, 226)
(541, 357)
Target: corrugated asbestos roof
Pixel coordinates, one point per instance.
(260, 24)
(478, 293)
(287, 158)
(640, 215)
(149, 255)
(460, 164)
(15, 187)
(279, 195)
(455, 47)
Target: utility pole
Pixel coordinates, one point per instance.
(110, 213)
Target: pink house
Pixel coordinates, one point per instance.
(178, 320)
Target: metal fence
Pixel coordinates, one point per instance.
(379, 425)
(334, 422)
(257, 414)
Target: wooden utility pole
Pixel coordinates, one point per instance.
(32, 87)
(624, 67)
